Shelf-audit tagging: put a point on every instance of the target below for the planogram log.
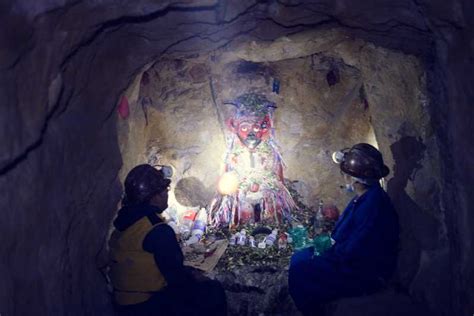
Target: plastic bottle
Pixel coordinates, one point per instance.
(321, 243)
(252, 241)
(318, 220)
(282, 241)
(320, 210)
(299, 237)
(272, 237)
(186, 223)
(199, 225)
(173, 225)
(242, 238)
(184, 231)
(170, 214)
(232, 239)
(236, 239)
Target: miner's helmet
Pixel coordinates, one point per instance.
(143, 182)
(362, 161)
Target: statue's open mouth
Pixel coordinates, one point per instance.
(252, 141)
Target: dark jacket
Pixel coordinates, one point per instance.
(366, 236)
(363, 256)
(160, 241)
(183, 294)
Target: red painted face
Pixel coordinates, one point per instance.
(251, 131)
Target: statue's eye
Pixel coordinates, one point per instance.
(244, 128)
(256, 129)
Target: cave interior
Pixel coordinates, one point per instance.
(92, 88)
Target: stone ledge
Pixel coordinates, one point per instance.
(264, 291)
(386, 303)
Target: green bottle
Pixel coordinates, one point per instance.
(299, 235)
(321, 243)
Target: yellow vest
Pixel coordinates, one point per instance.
(133, 272)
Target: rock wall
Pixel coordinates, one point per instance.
(377, 91)
(183, 101)
(65, 64)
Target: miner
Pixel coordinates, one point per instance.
(363, 256)
(146, 270)
(253, 158)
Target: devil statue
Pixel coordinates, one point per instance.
(253, 162)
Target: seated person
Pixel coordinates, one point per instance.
(364, 254)
(146, 268)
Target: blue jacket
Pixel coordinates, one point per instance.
(366, 236)
(364, 254)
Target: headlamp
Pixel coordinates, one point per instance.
(166, 170)
(338, 157)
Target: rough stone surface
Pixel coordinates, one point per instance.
(257, 291)
(387, 302)
(264, 291)
(313, 117)
(65, 64)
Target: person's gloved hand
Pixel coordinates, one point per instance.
(302, 255)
